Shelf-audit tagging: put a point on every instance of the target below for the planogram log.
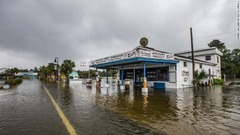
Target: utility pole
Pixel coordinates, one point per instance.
(88, 72)
(193, 65)
(57, 68)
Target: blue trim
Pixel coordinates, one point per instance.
(134, 60)
(159, 85)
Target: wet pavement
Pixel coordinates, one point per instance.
(27, 109)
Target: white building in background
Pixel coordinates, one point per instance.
(208, 59)
(2, 70)
(74, 75)
(161, 69)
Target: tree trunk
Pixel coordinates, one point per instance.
(67, 77)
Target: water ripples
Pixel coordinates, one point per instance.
(207, 110)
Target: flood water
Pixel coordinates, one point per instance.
(204, 110)
(26, 109)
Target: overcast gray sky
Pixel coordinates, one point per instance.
(34, 32)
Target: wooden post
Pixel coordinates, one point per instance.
(193, 64)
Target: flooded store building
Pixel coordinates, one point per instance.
(148, 67)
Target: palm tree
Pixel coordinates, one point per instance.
(199, 76)
(44, 73)
(51, 69)
(67, 67)
(40, 72)
(11, 72)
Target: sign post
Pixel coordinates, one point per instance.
(144, 41)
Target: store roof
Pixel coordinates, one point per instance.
(136, 60)
(137, 55)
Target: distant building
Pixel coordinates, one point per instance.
(74, 75)
(3, 70)
(3, 73)
(27, 75)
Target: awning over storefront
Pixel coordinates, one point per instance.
(138, 55)
(130, 61)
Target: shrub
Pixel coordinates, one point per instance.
(13, 81)
(45, 79)
(199, 75)
(218, 81)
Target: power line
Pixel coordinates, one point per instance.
(215, 35)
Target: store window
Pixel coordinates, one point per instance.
(127, 74)
(162, 74)
(151, 74)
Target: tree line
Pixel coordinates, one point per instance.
(49, 72)
(230, 61)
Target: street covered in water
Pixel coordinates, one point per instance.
(27, 109)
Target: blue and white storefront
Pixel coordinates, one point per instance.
(147, 67)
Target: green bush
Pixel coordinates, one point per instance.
(217, 81)
(45, 79)
(13, 81)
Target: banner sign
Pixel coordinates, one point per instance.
(83, 64)
(139, 52)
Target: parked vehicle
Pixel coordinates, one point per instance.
(6, 86)
(89, 82)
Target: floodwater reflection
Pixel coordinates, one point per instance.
(204, 110)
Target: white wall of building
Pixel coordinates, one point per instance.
(184, 74)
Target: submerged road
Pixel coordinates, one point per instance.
(33, 108)
(36, 108)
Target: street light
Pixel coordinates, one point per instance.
(56, 61)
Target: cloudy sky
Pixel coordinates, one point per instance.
(34, 32)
